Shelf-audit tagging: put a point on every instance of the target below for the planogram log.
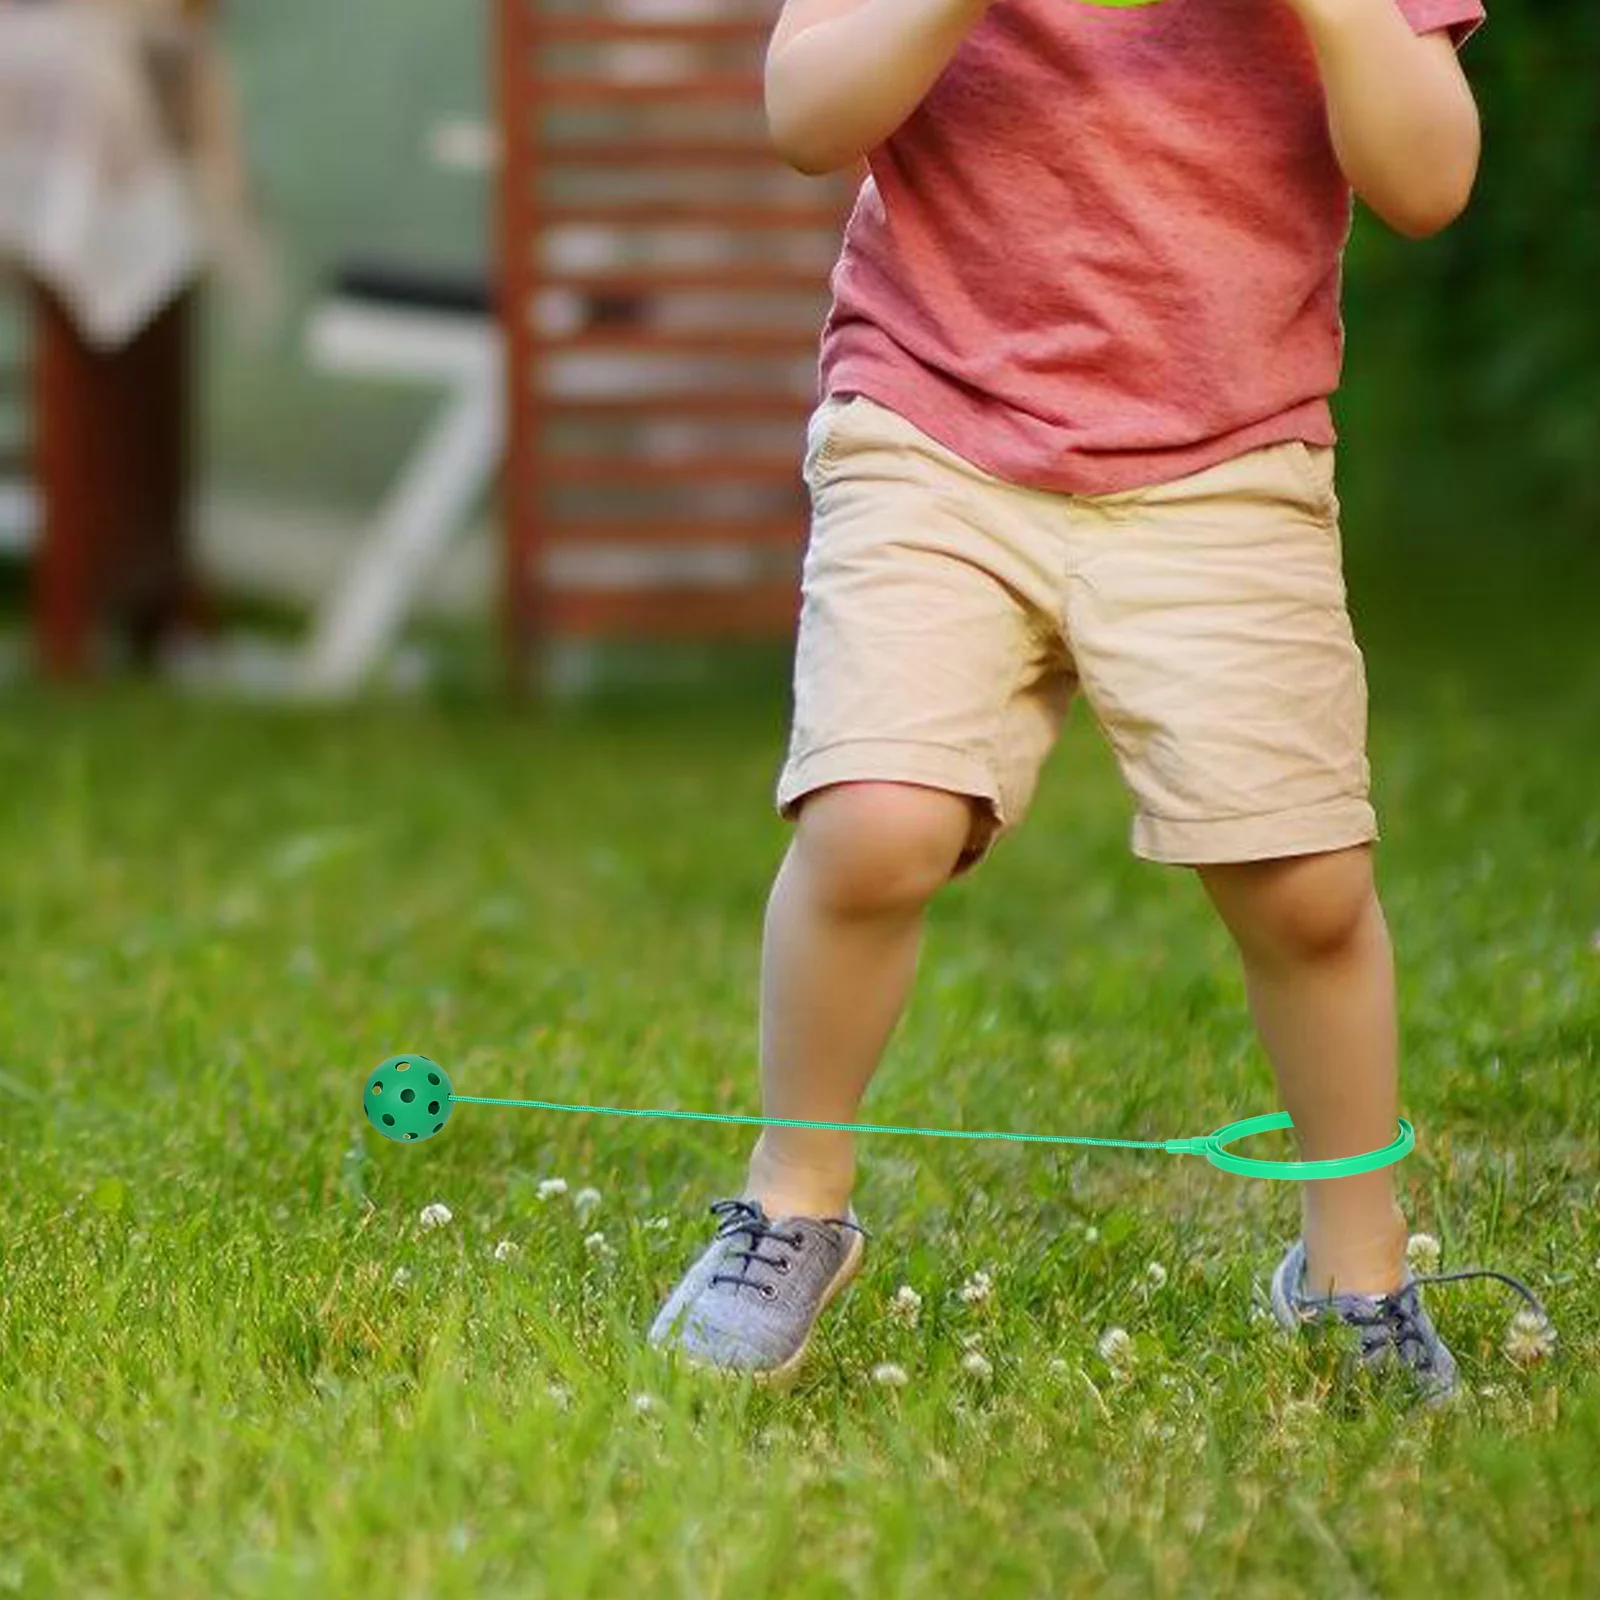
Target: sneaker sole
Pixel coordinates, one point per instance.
(782, 1376)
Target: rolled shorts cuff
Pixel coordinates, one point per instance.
(1308, 830)
(935, 766)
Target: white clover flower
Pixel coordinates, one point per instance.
(890, 1375)
(435, 1215)
(1422, 1254)
(1091, 1235)
(1155, 1275)
(969, 1341)
(906, 1306)
(400, 1278)
(977, 1363)
(1530, 1337)
(658, 1224)
(1116, 1350)
(585, 1200)
(1057, 1367)
(977, 1288)
(560, 1396)
(505, 1250)
(644, 1404)
(596, 1245)
(551, 1186)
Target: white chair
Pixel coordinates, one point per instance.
(407, 326)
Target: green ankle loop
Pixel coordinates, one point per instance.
(1215, 1151)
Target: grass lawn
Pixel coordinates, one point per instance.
(233, 1362)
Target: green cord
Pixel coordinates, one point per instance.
(402, 1106)
(793, 1122)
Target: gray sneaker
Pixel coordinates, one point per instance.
(1396, 1333)
(748, 1305)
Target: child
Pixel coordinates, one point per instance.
(1075, 434)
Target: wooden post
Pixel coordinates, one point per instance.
(112, 457)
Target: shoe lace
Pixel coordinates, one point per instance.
(1394, 1318)
(747, 1217)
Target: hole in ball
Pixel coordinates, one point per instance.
(388, 1119)
(437, 1126)
(408, 1095)
(377, 1088)
(411, 1136)
(433, 1078)
(401, 1066)
(433, 1108)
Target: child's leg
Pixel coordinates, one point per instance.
(1320, 977)
(842, 931)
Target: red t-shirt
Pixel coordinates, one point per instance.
(1105, 249)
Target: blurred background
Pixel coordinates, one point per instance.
(360, 358)
(357, 197)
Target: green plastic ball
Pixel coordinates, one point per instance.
(408, 1097)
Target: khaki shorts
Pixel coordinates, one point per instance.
(950, 618)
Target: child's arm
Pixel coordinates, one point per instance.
(1401, 115)
(842, 75)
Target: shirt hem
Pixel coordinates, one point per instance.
(1080, 472)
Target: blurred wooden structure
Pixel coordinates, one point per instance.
(112, 458)
(111, 424)
(663, 280)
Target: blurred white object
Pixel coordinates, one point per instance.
(401, 337)
(435, 490)
(464, 144)
(93, 199)
(121, 168)
(19, 519)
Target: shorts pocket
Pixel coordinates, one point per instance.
(824, 444)
(1315, 467)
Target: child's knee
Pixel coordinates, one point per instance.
(874, 847)
(1303, 908)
